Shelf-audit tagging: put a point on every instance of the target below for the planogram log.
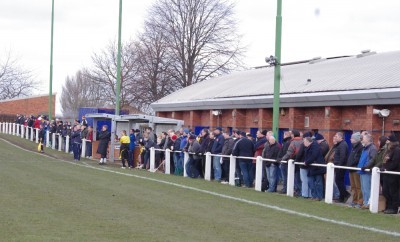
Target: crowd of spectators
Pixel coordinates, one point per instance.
(306, 148)
(77, 131)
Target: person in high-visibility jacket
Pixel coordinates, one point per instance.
(124, 148)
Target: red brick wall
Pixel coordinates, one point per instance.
(27, 106)
(177, 115)
(205, 118)
(265, 118)
(328, 120)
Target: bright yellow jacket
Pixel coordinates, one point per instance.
(124, 139)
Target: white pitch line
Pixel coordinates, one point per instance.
(288, 211)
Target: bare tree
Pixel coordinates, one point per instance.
(202, 37)
(79, 91)
(15, 81)
(104, 74)
(155, 76)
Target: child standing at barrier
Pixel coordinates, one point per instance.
(41, 135)
(124, 148)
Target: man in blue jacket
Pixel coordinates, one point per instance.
(182, 147)
(132, 145)
(368, 153)
(217, 150)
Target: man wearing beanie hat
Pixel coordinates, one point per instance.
(322, 143)
(352, 161)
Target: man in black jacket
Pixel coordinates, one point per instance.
(391, 183)
(340, 159)
(244, 147)
(287, 138)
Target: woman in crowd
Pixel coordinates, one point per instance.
(104, 138)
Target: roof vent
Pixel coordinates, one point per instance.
(366, 53)
(316, 60)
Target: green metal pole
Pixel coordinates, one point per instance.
(277, 70)
(118, 91)
(51, 64)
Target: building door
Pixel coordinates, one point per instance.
(198, 129)
(347, 136)
(281, 132)
(397, 134)
(253, 132)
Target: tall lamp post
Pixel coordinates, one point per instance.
(277, 70)
(51, 63)
(118, 88)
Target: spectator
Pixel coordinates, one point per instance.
(41, 135)
(84, 121)
(104, 138)
(377, 161)
(182, 147)
(368, 153)
(329, 159)
(322, 143)
(271, 151)
(151, 135)
(204, 143)
(217, 150)
(226, 150)
(287, 138)
(176, 148)
(340, 159)
(163, 144)
(194, 158)
(148, 144)
(245, 148)
(258, 148)
(313, 155)
(250, 137)
(89, 142)
(390, 186)
(353, 161)
(292, 153)
(124, 148)
(132, 145)
(302, 170)
(77, 142)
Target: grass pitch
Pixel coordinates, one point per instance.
(46, 198)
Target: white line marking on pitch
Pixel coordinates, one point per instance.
(396, 234)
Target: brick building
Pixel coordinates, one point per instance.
(27, 105)
(331, 95)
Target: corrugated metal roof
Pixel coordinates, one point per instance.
(373, 71)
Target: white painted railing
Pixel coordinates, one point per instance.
(12, 129)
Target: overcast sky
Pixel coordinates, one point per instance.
(311, 28)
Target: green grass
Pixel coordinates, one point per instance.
(46, 199)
